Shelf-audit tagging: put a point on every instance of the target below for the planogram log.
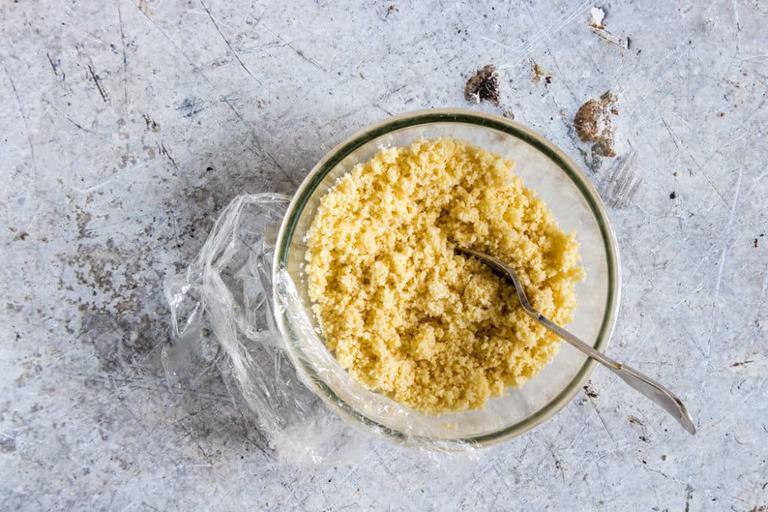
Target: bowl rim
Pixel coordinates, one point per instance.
(463, 116)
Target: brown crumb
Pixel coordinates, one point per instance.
(742, 363)
(593, 124)
(762, 508)
(391, 9)
(603, 148)
(721, 114)
(483, 86)
(539, 73)
(754, 243)
(663, 457)
(21, 236)
(585, 121)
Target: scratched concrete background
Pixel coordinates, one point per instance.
(126, 126)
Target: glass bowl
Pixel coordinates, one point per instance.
(577, 207)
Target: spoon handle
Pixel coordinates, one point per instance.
(642, 383)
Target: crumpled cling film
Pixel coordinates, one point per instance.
(222, 314)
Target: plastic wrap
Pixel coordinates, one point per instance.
(222, 315)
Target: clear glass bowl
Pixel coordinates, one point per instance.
(577, 207)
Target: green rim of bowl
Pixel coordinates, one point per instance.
(588, 192)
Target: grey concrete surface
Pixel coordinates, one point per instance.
(126, 125)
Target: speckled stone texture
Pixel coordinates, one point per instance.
(125, 126)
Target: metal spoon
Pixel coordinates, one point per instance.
(645, 385)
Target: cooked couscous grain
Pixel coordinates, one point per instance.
(407, 315)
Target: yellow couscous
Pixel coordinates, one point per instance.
(406, 314)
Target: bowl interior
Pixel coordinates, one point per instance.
(575, 205)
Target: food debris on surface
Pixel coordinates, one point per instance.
(539, 73)
(596, 17)
(589, 390)
(593, 124)
(408, 316)
(483, 86)
(597, 24)
(390, 10)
